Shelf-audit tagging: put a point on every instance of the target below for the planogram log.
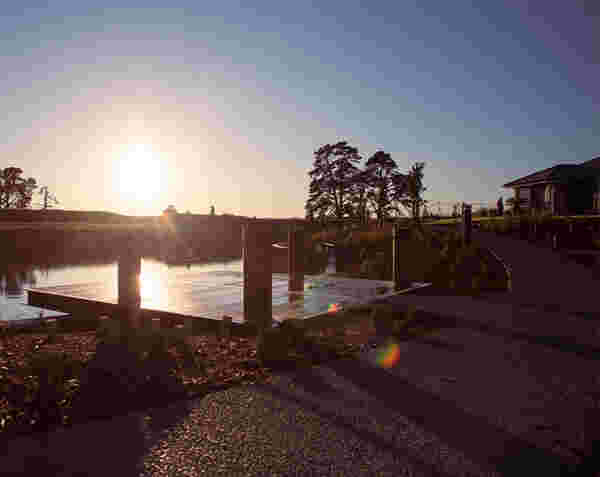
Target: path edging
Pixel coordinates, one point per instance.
(506, 266)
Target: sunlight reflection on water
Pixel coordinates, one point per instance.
(154, 276)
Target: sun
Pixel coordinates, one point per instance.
(140, 172)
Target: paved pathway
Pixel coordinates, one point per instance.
(488, 395)
(545, 278)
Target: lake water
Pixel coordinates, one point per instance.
(14, 278)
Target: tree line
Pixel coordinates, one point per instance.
(340, 189)
(16, 191)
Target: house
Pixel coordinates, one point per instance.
(565, 189)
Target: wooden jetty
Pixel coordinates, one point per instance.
(254, 296)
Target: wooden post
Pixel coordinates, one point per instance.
(396, 256)
(295, 259)
(225, 330)
(533, 232)
(467, 224)
(129, 269)
(257, 267)
(337, 250)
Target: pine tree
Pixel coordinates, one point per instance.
(332, 181)
(414, 190)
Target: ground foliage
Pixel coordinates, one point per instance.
(52, 379)
(49, 380)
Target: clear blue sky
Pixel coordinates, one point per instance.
(131, 108)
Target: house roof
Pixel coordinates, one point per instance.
(553, 174)
(595, 163)
(559, 173)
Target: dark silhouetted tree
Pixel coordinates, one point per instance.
(414, 190)
(15, 191)
(359, 197)
(332, 182)
(399, 193)
(48, 199)
(387, 186)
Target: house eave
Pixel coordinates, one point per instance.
(510, 185)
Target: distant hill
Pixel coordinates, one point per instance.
(56, 215)
(92, 217)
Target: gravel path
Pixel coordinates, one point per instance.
(313, 422)
(543, 278)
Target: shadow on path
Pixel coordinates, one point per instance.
(560, 343)
(343, 423)
(479, 440)
(99, 447)
(114, 428)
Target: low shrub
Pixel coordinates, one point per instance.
(41, 387)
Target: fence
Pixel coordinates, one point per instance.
(440, 208)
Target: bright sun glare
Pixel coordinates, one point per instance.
(140, 172)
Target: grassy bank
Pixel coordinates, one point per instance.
(561, 219)
(571, 232)
(426, 255)
(77, 226)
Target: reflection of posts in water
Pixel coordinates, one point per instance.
(295, 298)
(13, 278)
(129, 269)
(295, 259)
(257, 267)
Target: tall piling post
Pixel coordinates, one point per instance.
(129, 270)
(396, 256)
(467, 224)
(295, 258)
(337, 249)
(257, 270)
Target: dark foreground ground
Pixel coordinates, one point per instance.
(503, 389)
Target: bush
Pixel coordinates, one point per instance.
(506, 225)
(272, 346)
(137, 368)
(43, 386)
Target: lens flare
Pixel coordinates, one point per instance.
(388, 355)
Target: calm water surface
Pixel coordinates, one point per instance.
(14, 278)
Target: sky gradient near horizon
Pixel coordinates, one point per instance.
(131, 107)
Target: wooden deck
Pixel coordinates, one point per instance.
(210, 295)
